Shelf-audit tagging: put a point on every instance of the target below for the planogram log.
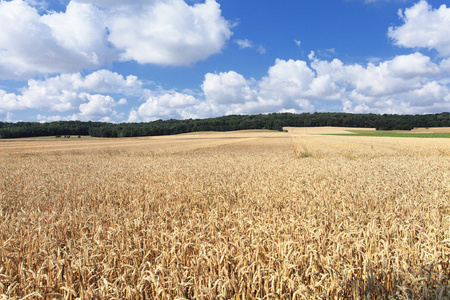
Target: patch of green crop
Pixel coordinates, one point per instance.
(383, 133)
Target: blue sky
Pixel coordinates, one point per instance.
(142, 60)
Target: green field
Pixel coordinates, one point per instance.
(382, 133)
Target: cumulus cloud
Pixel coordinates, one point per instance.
(294, 81)
(287, 79)
(167, 32)
(289, 86)
(105, 81)
(168, 105)
(228, 87)
(88, 98)
(97, 107)
(81, 28)
(66, 92)
(413, 65)
(424, 27)
(405, 84)
(90, 34)
(9, 102)
(33, 44)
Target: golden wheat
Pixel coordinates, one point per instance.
(241, 215)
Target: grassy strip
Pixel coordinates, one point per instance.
(382, 133)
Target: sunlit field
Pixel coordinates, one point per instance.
(236, 215)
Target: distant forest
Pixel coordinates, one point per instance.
(275, 121)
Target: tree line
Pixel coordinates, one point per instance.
(274, 121)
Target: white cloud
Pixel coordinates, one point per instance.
(165, 106)
(90, 34)
(289, 86)
(84, 97)
(81, 28)
(424, 27)
(245, 43)
(167, 32)
(322, 87)
(283, 89)
(46, 96)
(406, 84)
(429, 94)
(413, 65)
(105, 81)
(9, 102)
(391, 77)
(97, 107)
(227, 88)
(67, 92)
(287, 79)
(28, 45)
(174, 100)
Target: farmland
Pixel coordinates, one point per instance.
(244, 214)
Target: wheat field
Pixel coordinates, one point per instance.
(236, 215)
